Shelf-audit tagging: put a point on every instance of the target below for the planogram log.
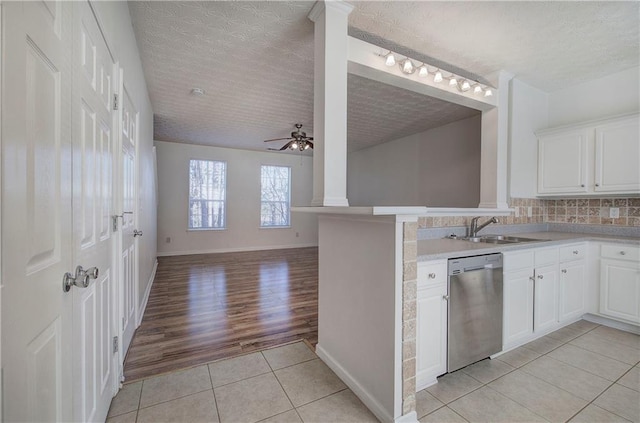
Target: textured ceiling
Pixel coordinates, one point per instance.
(547, 44)
(373, 119)
(255, 61)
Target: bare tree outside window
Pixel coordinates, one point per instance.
(207, 194)
(275, 196)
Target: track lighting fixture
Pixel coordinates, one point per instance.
(408, 67)
(389, 59)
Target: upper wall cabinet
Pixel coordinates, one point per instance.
(594, 158)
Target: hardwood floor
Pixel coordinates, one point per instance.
(206, 307)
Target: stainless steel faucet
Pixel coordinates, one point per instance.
(474, 228)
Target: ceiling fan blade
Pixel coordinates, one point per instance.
(278, 139)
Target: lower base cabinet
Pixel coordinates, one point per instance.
(573, 290)
(620, 289)
(431, 331)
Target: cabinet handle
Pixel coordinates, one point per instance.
(597, 185)
(622, 253)
(575, 251)
(445, 297)
(564, 270)
(432, 275)
(540, 277)
(582, 185)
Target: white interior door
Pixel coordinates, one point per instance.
(36, 211)
(129, 257)
(93, 146)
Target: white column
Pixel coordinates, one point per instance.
(330, 102)
(494, 150)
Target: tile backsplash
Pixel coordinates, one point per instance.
(592, 211)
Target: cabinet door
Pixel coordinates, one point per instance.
(572, 290)
(518, 306)
(545, 298)
(431, 327)
(562, 163)
(620, 289)
(617, 157)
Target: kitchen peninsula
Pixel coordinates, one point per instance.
(373, 261)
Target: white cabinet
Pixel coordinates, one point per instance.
(431, 323)
(620, 282)
(573, 282)
(530, 294)
(545, 301)
(562, 162)
(590, 158)
(518, 307)
(617, 153)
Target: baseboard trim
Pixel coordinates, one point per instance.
(234, 250)
(612, 323)
(408, 418)
(364, 395)
(147, 292)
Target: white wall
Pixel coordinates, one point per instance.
(532, 109)
(438, 168)
(243, 201)
(116, 23)
(359, 306)
(449, 165)
(529, 112)
(384, 175)
(608, 96)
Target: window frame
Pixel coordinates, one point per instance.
(288, 226)
(224, 201)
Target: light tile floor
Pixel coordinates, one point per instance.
(285, 384)
(581, 373)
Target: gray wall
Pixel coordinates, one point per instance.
(436, 168)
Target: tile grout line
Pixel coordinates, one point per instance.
(518, 368)
(213, 391)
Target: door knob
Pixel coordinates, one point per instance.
(540, 277)
(81, 279)
(137, 233)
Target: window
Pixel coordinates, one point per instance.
(275, 196)
(207, 193)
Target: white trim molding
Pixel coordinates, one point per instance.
(234, 250)
(372, 404)
(142, 307)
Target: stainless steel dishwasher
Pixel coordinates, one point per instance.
(474, 310)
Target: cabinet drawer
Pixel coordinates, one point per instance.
(517, 261)
(432, 273)
(620, 252)
(573, 252)
(546, 256)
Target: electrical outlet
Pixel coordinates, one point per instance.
(168, 240)
(529, 211)
(297, 234)
(614, 212)
(517, 214)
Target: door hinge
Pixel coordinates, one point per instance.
(123, 323)
(115, 344)
(115, 102)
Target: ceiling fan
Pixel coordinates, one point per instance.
(297, 141)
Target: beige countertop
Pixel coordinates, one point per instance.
(433, 249)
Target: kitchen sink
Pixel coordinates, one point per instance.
(501, 239)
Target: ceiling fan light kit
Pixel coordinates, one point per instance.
(297, 141)
(408, 67)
